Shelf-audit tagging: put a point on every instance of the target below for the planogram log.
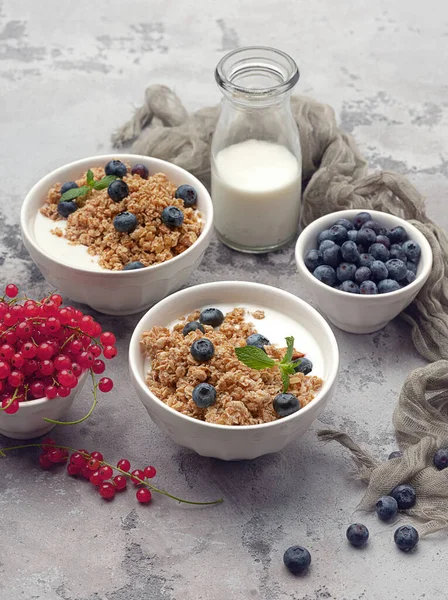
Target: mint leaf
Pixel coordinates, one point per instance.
(90, 178)
(285, 379)
(289, 350)
(75, 193)
(254, 358)
(104, 182)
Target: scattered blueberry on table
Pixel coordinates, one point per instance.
(363, 257)
(395, 454)
(297, 559)
(386, 508)
(405, 496)
(441, 459)
(406, 538)
(357, 535)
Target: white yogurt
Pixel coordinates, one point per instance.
(256, 190)
(60, 248)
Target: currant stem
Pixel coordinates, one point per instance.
(92, 408)
(102, 462)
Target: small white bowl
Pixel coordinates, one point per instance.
(28, 422)
(357, 313)
(224, 441)
(116, 292)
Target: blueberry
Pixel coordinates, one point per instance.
(125, 222)
(313, 258)
(118, 190)
(396, 268)
(202, 350)
(204, 395)
(388, 285)
(346, 271)
(352, 235)
(365, 260)
(405, 495)
(188, 194)
(379, 270)
(303, 365)
(412, 250)
(326, 244)
(396, 251)
(349, 286)
(386, 508)
(366, 237)
(286, 404)
(406, 538)
(172, 216)
(297, 559)
(383, 239)
(258, 340)
(372, 224)
(115, 167)
(69, 185)
(345, 223)
(211, 316)
(441, 459)
(66, 208)
(397, 235)
(349, 252)
(326, 274)
(357, 535)
(331, 256)
(362, 274)
(409, 277)
(360, 219)
(412, 266)
(337, 234)
(368, 288)
(141, 170)
(323, 235)
(395, 454)
(192, 326)
(379, 252)
(136, 264)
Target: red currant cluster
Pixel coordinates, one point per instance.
(92, 466)
(45, 348)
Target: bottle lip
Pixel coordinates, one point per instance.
(257, 58)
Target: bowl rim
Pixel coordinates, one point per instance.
(405, 291)
(40, 401)
(134, 347)
(51, 177)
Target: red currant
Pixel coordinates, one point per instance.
(44, 351)
(53, 324)
(78, 460)
(73, 469)
(110, 352)
(86, 324)
(37, 389)
(150, 472)
(107, 490)
(93, 464)
(45, 367)
(95, 478)
(75, 347)
(86, 472)
(6, 352)
(5, 369)
(97, 455)
(30, 366)
(105, 472)
(45, 462)
(62, 362)
(64, 392)
(119, 482)
(28, 350)
(16, 378)
(65, 315)
(48, 442)
(105, 384)
(17, 360)
(137, 475)
(94, 349)
(67, 378)
(10, 338)
(98, 366)
(51, 392)
(124, 465)
(57, 299)
(18, 311)
(85, 359)
(9, 407)
(108, 339)
(143, 495)
(4, 308)
(77, 370)
(24, 330)
(30, 309)
(96, 329)
(11, 290)
(49, 308)
(10, 319)
(55, 455)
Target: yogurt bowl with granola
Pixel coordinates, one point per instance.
(117, 232)
(233, 370)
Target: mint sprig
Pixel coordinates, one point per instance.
(255, 358)
(86, 189)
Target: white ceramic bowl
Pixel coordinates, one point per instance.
(116, 292)
(357, 313)
(28, 422)
(224, 441)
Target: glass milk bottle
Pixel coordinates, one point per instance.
(256, 161)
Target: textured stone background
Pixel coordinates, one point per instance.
(70, 73)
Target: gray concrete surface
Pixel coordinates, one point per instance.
(70, 73)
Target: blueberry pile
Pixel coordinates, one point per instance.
(362, 257)
(118, 190)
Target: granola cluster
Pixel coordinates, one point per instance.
(152, 241)
(244, 396)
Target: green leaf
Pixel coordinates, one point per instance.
(288, 368)
(90, 178)
(289, 350)
(285, 379)
(75, 193)
(104, 182)
(254, 358)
